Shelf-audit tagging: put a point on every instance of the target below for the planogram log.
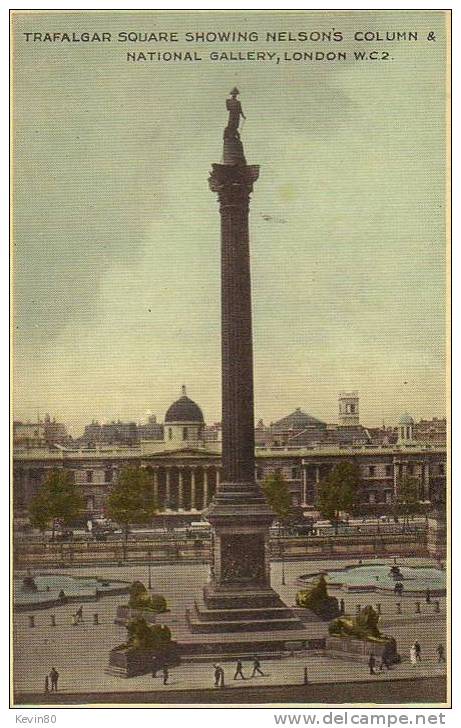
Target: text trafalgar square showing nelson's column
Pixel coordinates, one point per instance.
(239, 597)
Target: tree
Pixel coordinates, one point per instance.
(58, 498)
(132, 500)
(407, 502)
(278, 495)
(339, 492)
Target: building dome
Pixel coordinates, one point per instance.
(406, 419)
(184, 410)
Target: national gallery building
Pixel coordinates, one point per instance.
(186, 468)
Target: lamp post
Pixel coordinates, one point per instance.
(149, 580)
(283, 563)
(282, 553)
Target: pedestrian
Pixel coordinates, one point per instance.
(216, 675)
(54, 675)
(418, 651)
(372, 663)
(155, 666)
(239, 671)
(221, 677)
(413, 656)
(256, 667)
(166, 674)
(47, 684)
(342, 606)
(79, 614)
(428, 596)
(440, 654)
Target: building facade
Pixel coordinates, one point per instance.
(186, 465)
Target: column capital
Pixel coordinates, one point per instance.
(234, 184)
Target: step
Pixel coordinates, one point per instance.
(240, 625)
(213, 615)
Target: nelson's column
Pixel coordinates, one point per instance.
(238, 596)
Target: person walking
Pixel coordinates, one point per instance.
(418, 651)
(166, 674)
(239, 671)
(413, 657)
(54, 675)
(216, 675)
(372, 663)
(440, 654)
(342, 606)
(79, 614)
(256, 667)
(428, 596)
(155, 666)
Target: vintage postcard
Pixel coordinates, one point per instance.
(229, 434)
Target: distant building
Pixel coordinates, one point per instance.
(29, 434)
(348, 408)
(41, 433)
(212, 433)
(55, 432)
(152, 430)
(434, 430)
(405, 429)
(122, 433)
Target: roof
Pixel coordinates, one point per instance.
(406, 419)
(297, 420)
(184, 410)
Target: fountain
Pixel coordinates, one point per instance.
(47, 590)
(416, 580)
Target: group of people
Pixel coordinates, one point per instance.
(219, 672)
(415, 657)
(384, 663)
(416, 653)
(51, 681)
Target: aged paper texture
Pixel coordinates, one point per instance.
(229, 417)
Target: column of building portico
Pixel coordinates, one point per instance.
(180, 489)
(317, 481)
(155, 476)
(304, 496)
(192, 487)
(167, 488)
(205, 487)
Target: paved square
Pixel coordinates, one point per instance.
(80, 653)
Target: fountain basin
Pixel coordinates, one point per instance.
(75, 588)
(416, 580)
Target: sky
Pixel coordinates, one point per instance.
(116, 233)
